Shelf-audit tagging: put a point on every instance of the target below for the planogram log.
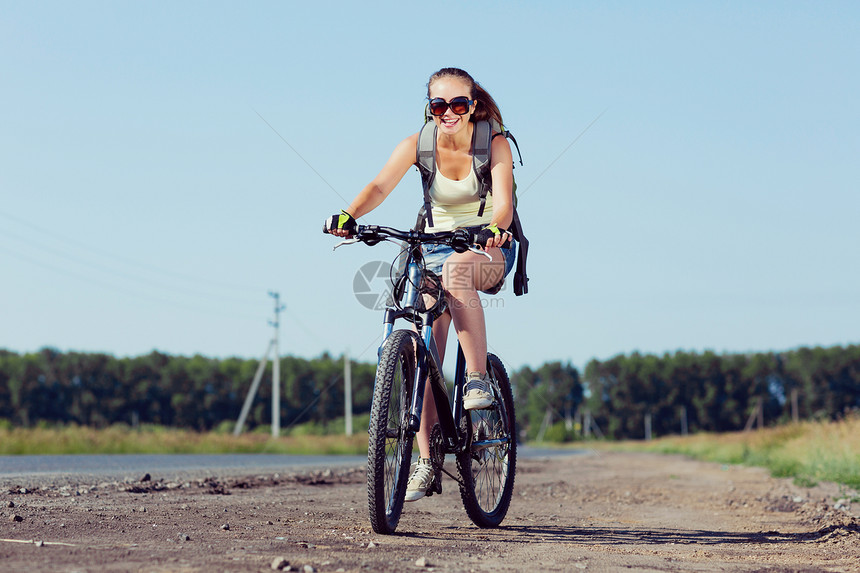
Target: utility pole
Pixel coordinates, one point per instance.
(757, 415)
(684, 429)
(794, 415)
(258, 376)
(586, 425)
(249, 399)
(276, 368)
(547, 421)
(347, 393)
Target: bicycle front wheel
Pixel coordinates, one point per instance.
(389, 449)
(488, 466)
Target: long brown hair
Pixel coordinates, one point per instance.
(486, 109)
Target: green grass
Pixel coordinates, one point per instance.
(121, 439)
(809, 452)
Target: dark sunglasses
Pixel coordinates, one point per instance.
(459, 105)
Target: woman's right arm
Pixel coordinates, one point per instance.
(375, 192)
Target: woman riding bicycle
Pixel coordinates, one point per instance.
(456, 102)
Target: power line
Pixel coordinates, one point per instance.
(323, 179)
(70, 240)
(119, 290)
(551, 163)
(137, 279)
(131, 292)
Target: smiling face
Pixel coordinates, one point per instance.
(447, 88)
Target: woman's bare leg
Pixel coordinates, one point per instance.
(464, 275)
(429, 416)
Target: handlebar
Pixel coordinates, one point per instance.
(460, 240)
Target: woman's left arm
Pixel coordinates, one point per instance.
(503, 182)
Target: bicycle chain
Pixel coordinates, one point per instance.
(437, 458)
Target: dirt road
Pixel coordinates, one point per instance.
(598, 512)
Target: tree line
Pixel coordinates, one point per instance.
(196, 393)
(719, 393)
(699, 391)
(621, 397)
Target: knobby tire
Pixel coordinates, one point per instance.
(389, 451)
(487, 473)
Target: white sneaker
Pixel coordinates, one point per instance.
(477, 394)
(420, 479)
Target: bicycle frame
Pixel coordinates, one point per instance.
(427, 358)
(481, 439)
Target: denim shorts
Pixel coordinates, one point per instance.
(436, 255)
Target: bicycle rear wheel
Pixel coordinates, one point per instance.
(389, 451)
(487, 468)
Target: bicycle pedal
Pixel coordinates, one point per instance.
(436, 486)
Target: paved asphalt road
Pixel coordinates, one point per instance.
(88, 468)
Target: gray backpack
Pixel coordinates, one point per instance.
(482, 138)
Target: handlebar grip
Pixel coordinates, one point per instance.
(342, 221)
(481, 237)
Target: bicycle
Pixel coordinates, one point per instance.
(482, 441)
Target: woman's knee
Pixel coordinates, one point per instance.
(471, 271)
(458, 274)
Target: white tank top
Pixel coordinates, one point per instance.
(455, 203)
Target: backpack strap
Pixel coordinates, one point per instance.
(425, 159)
(481, 142)
(508, 135)
(521, 280)
(421, 221)
(499, 129)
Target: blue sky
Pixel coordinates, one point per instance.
(164, 165)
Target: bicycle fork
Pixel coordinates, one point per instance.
(426, 368)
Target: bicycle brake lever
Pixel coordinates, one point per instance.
(481, 252)
(346, 242)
